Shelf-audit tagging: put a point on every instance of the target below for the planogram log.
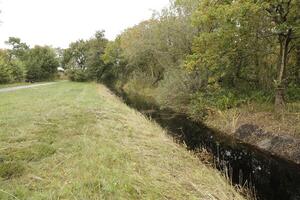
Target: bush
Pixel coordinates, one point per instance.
(11, 70)
(5, 72)
(33, 73)
(259, 96)
(293, 93)
(77, 75)
(213, 99)
(41, 64)
(17, 71)
(176, 89)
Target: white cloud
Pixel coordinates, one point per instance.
(59, 22)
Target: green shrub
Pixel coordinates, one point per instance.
(175, 90)
(260, 96)
(33, 73)
(11, 170)
(213, 99)
(293, 93)
(138, 82)
(17, 71)
(41, 64)
(11, 70)
(5, 72)
(77, 75)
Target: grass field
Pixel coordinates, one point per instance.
(78, 141)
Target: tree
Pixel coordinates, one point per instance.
(78, 55)
(297, 73)
(139, 50)
(12, 70)
(16, 57)
(159, 44)
(285, 18)
(17, 70)
(96, 48)
(83, 58)
(237, 43)
(18, 49)
(228, 46)
(41, 63)
(5, 71)
(115, 62)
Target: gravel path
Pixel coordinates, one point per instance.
(11, 89)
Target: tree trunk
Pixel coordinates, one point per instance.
(298, 65)
(281, 79)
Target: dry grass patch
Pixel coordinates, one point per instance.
(286, 123)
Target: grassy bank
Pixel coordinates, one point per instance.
(78, 141)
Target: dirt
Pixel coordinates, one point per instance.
(11, 89)
(280, 144)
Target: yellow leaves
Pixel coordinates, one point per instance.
(191, 63)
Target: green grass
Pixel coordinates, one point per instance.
(78, 141)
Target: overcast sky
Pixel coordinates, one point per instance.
(59, 22)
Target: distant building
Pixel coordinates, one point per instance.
(60, 69)
(61, 73)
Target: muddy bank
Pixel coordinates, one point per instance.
(271, 177)
(283, 145)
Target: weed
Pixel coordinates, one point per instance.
(34, 152)
(10, 170)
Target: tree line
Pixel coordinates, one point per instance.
(207, 54)
(193, 56)
(20, 63)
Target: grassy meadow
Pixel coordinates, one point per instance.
(78, 141)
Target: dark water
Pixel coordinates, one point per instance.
(273, 178)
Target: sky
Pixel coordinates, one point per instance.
(59, 22)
